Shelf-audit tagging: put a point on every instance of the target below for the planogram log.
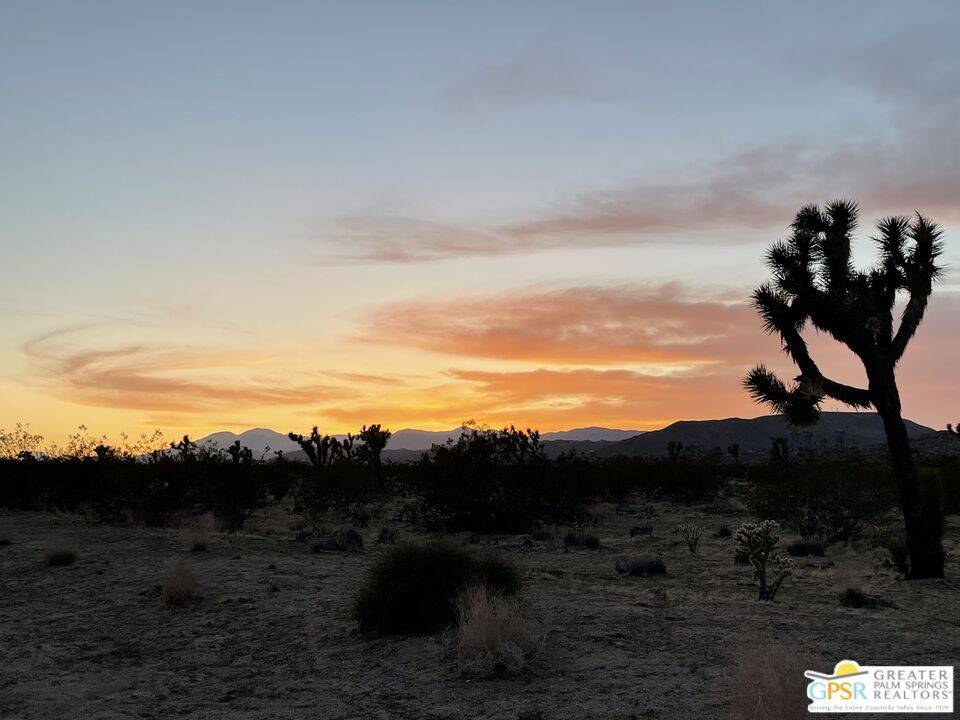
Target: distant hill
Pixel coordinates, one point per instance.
(403, 440)
(755, 435)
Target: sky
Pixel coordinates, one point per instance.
(225, 215)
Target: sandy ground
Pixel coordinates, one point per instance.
(273, 637)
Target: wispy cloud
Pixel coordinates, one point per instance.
(159, 378)
(634, 324)
(911, 167)
(544, 71)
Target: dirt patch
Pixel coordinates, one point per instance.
(273, 638)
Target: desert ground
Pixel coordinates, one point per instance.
(273, 636)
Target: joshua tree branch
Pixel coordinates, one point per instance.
(910, 320)
(797, 348)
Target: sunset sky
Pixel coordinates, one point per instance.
(229, 215)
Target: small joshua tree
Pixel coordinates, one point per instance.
(814, 282)
(373, 440)
(691, 535)
(955, 433)
(757, 542)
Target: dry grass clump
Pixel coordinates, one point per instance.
(198, 540)
(768, 682)
(61, 552)
(180, 585)
(494, 636)
(197, 533)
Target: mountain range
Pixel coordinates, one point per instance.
(753, 435)
(416, 440)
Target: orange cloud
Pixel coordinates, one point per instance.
(152, 378)
(666, 324)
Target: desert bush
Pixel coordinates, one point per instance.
(723, 531)
(542, 534)
(833, 495)
(499, 481)
(641, 567)
(388, 536)
(198, 540)
(180, 585)
(413, 587)
(494, 637)
(805, 548)
(691, 536)
(582, 540)
(61, 552)
(768, 682)
(758, 541)
(641, 530)
(349, 539)
(854, 597)
(343, 540)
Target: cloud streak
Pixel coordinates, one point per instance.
(911, 168)
(635, 324)
(152, 377)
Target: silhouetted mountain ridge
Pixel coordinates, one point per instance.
(851, 429)
(407, 439)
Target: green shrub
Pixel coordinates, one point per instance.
(413, 588)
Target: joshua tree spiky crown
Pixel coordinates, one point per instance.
(814, 282)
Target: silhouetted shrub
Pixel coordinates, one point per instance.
(60, 553)
(387, 536)
(805, 548)
(542, 534)
(855, 598)
(641, 567)
(343, 540)
(413, 588)
(575, 539)
(832, 495)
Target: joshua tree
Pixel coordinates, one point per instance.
(955, 433)
(814, 281)
(373, 440)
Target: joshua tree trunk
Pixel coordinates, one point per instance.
(924, 547)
